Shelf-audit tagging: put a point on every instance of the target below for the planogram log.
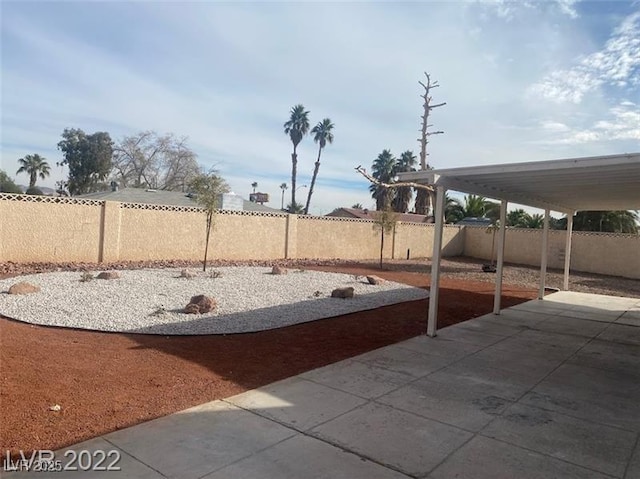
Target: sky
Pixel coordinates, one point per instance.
(522, 81)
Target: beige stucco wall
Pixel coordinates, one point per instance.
(49, 229)
(602, 253)
(49, 232)
(418, 239)
(330, 237)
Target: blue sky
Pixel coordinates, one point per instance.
(523, 81)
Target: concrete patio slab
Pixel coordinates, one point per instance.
(471, 372)
(404, 441)
(401, 360)
(633, 469)
(297, 403)
(485, 458)
(439, 346)
(621, 333)
(359, 378)
(610, 396)
(601, 448)
(572, 326)
(200, 440)
(608, 355)
(310, 458)
(526, 394)
(469, 408)
(117, 464)
(631, 318)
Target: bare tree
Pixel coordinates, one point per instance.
(208, 188)
(424, 198)
(150, 160)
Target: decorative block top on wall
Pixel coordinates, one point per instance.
(50, 199)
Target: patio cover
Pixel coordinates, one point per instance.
(599, 183)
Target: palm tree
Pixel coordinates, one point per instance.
(296, 128)
(322, 135)
(34, 166)
(453, 209)
(605, 221)
(254, 185)
(295, 208)
(480, 207)
(383, 171)
(518, 218)
(535, 221)
(357, 206)
(404, 194)
(283, 187)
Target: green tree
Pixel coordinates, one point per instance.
(536, 221)
(480, 207)
(605, 221)
(295, 208)
(453, 209)
(207, 188)
(385, 221)
(35, 166)
(404, 194)
(357, 206)
(518, 218)
(7, 185)
(296, 127)
(254, 185)
(383, 170)
(283, 187)
(322, 134)
(89, 158)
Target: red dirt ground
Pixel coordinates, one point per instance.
(108, 381)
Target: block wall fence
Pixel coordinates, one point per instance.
(51, 229)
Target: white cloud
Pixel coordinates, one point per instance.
(617, 64)
(622, 123)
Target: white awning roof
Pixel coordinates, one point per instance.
(599, 183)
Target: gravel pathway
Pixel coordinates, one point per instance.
(150, 301)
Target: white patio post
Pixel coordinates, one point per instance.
(567, 252)
(432, 322)
(501, 240)
(544, 255)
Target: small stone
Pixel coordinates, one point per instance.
(24, 288)
(185, 273)
(279, 270)
(55, 407)
(342, 293)
(191, 309)
(109, 275)
(204, 304)
(375, 280)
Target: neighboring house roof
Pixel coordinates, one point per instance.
(161, 197)
(371, 215)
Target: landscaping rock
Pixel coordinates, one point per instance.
(109, 275)
(200, 304)
(185, 273)
(375, 280)
(191, 309)
(24, 288)
(342, 293)
(279, 270)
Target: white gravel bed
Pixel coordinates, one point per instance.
(150, 301)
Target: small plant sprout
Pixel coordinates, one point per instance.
(159, 311)
(85, 277)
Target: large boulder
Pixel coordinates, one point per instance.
(24, 288)
(109, 275)
(342, 293)
(375, 280)
(200, 304)
(279, 270)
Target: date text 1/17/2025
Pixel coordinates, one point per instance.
(46, 461)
